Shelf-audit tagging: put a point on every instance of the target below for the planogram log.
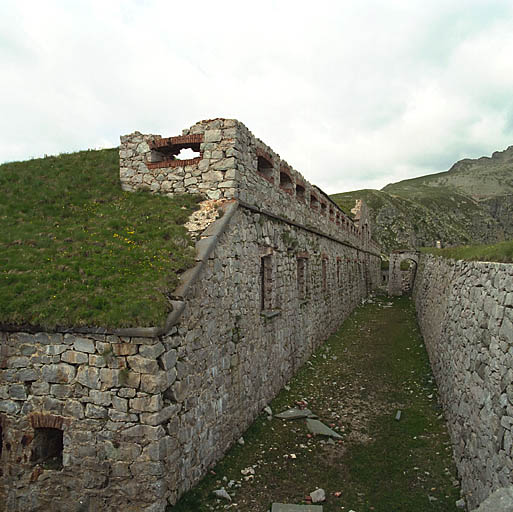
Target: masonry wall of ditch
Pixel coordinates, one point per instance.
(465, 312)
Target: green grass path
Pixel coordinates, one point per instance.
(375, 365)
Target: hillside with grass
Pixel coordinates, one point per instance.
(471, 203)
(75, 250)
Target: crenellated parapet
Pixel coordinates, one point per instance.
(230, 162)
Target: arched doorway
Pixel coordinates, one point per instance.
(402, 272)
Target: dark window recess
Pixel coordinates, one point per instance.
(324, 274)
(314, 203)
(301, 278)
(265, 167)
(323, 208)
(47, 447)
(286, 183)
(300, 192)
(175, 151)
(338, 272)
(266, 283)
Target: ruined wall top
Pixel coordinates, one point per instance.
(231, 163)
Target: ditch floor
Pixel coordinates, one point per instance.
(374, 366)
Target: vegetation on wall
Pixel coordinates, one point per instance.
(75, 250)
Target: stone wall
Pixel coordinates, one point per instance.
(465, 312)
(234, 164)
(129, 419)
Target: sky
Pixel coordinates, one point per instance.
(352, 94)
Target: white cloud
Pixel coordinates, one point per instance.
(354, 95)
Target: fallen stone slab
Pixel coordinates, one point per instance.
(318, 428)
(282, 507)
(499, 501)
(295, 413)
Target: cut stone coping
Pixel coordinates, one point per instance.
(319, 428)
(294, 414)
(499, 501)
(282, 507)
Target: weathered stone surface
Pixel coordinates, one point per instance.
(84, 345)
(59, 373)
(142, 364)
(89, 376)
(73, 357)
(281, 507)
(499, 501)
(151, 403)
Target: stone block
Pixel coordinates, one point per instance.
(17, 392)
(146, 403)
(161, 416)
(74, 409)
(122, 416)
(62, 373)
(116, 378)
(212, 136)
(89, 377)
(84, 345)
(18, 362)
(144, 432)
(152, 351)
(55, 350)
(9, 406)
(142, 364)
(95, 412)
(124, 349)
(28, 374)
(61, 390)
(39, 388)
(73, 357)
(169, 359)
(157, 383)
(103, 398)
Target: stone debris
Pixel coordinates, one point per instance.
(241, 441)
(398, 415)
(319, 428)
(207, 213)
(318, 496)
(460, 503)
(499, 501)
(268, 411)
(295, 413)
(221, 493)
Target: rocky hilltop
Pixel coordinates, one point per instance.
(470, 203)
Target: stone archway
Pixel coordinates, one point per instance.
(395, 278)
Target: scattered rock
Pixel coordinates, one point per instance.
(268, 411)
(318, 496)
(319, 428)
(460, 503)
(241, 441)
(294, 414)
(221, 493)
(398, 415)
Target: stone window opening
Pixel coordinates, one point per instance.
(332, 214)
(324, 273)
(266, 283)
(265, 167)
(286, 183)
(175, 151)
(338, 271)
(300, 192)
(47, 447)
(314, 203)
(323, 209)
(302, 269)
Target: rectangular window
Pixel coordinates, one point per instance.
(324, 274)
(266, 282)
(301, 278)
(47, 447)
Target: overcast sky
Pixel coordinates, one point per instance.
(352, 94)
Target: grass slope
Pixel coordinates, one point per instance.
(501, 252)
(75, 250)
(374, 365)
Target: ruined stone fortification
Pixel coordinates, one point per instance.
(465, 311)
(129, 419)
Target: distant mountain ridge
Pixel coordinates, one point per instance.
(470, 203)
